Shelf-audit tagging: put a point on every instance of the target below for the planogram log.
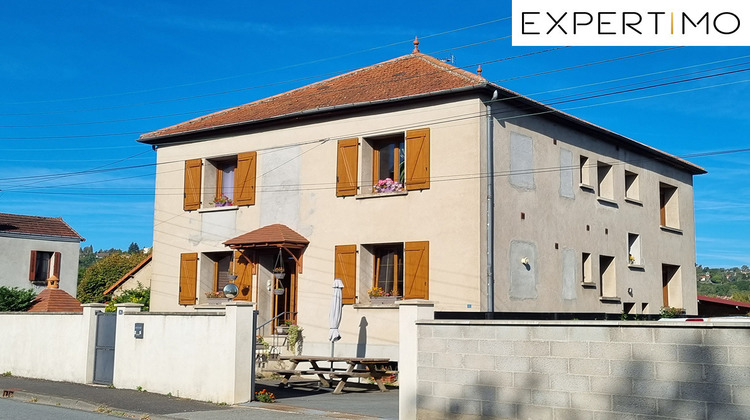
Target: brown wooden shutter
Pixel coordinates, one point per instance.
(243, 267)
(188, 278)
(32, 267)
(192, 194)
(418, 159)
(347, 167)
(346, 270)
(244, 179)
(416, 270)
(57, 258)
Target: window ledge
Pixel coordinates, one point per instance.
(671, 229)
(609, 299)
(636, 267)
(588, 284)
(587, 187)
(634, 201)
(375, 195)
(213, 209)
(371, 306)
(606, 201)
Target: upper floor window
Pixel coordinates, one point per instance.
(227, 181)
(585, 171)
(43, 265)
(605, 181)
(669, 212)
(390, 163)
(632, 187)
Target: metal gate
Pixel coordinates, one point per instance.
(104, 357)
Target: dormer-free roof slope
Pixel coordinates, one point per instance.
(36, 225)
(407, 76)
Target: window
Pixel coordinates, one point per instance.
(632, 189)
(607, 279)
(43, 265)
(634, 249)
(670, 285)
(227, 181)
(401, 269)
(215, 271)
(389, 268)
(394, 162)
(586, 274)
(605, 181)
(668, 206)
(585, 171)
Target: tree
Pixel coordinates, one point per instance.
(102, 274)
(133, 248)
(14, 299)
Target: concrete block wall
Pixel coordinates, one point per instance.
(582, 370)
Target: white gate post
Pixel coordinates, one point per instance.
(89, 326)
(409, 311)
(239, 316)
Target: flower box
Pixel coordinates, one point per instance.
(383, 300)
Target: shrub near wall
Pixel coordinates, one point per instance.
(563, 370)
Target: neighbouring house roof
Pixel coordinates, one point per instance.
(723, 301)
(36, 225)
(53, 299)
(128, 276)
(277, 235)
(408, 77)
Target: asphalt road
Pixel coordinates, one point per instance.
(20, 410)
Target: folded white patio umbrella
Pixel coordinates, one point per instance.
(334, 317)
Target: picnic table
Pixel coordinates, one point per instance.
(356, 367)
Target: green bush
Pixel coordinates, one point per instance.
(140, 295)
(15, 299)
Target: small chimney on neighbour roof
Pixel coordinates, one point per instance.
(416, 45)
(479, 70)
(53, 282)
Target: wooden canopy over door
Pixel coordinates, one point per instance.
(270, 238)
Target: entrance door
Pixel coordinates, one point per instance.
(285, 294)
(104, 356)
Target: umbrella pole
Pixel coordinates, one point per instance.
(333, 343)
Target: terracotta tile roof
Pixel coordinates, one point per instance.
(271, 235)
(55, 300)
(127, 276)
(402, 77)
(36, 225)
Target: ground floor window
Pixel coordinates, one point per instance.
(389, 268)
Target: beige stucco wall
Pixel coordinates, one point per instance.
(556, 224)
(296, 187)
(296, 170)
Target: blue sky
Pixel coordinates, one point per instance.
(82, 80)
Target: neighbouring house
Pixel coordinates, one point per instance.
(379, 177)
(33, 249)
(715, 306)
(139, 275)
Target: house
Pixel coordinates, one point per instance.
(715, 306)
(139, 275)
(34, 249)
(378, 177)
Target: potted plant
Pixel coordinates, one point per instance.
(387, 186)
(216, 297)
(279, 273)
(378, 296)
(222, 201)
(294, 337)
(284, 328)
